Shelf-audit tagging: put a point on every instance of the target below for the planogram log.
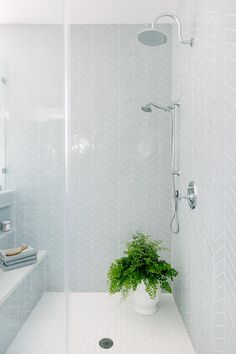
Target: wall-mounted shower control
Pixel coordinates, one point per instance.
(191, 195)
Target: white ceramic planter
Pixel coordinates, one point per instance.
(142, 303)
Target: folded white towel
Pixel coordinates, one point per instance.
(17, 261)
(16, 266)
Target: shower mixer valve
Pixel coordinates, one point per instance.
(191, 195)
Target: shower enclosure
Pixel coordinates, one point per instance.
(88, 167)
(88, 157)
(83, 168)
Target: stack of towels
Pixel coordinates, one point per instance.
(17, 257)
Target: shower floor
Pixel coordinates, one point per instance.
(96, 315)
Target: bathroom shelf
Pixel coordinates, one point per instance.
(10, 280)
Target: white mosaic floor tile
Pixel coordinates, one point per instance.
(96, 315)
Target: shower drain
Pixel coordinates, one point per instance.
(106, 343)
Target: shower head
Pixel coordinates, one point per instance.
(152, 37)
(148, 107)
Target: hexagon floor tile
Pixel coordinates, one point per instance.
(93, 316)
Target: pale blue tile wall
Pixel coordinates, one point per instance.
(34, 56)
(18, 306)
(205, 250)
(120, 155)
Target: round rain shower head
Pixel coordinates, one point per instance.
(152, 37)
(147, 108)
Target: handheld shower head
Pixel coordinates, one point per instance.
(147, 108)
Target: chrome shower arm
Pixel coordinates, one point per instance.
(166, 109)
(177, 20)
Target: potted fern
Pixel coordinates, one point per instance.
(142, 272)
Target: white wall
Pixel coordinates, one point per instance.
(122, 11)
(205, 249)
(84, 11)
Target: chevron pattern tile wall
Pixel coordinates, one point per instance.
(33, 55)
(205, 251)
(18, 306)
(120, 155)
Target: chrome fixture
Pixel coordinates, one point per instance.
(152, 37)
(174, 172)
(106, 343)
(148, 107)
(3, 80)
(191, 195)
